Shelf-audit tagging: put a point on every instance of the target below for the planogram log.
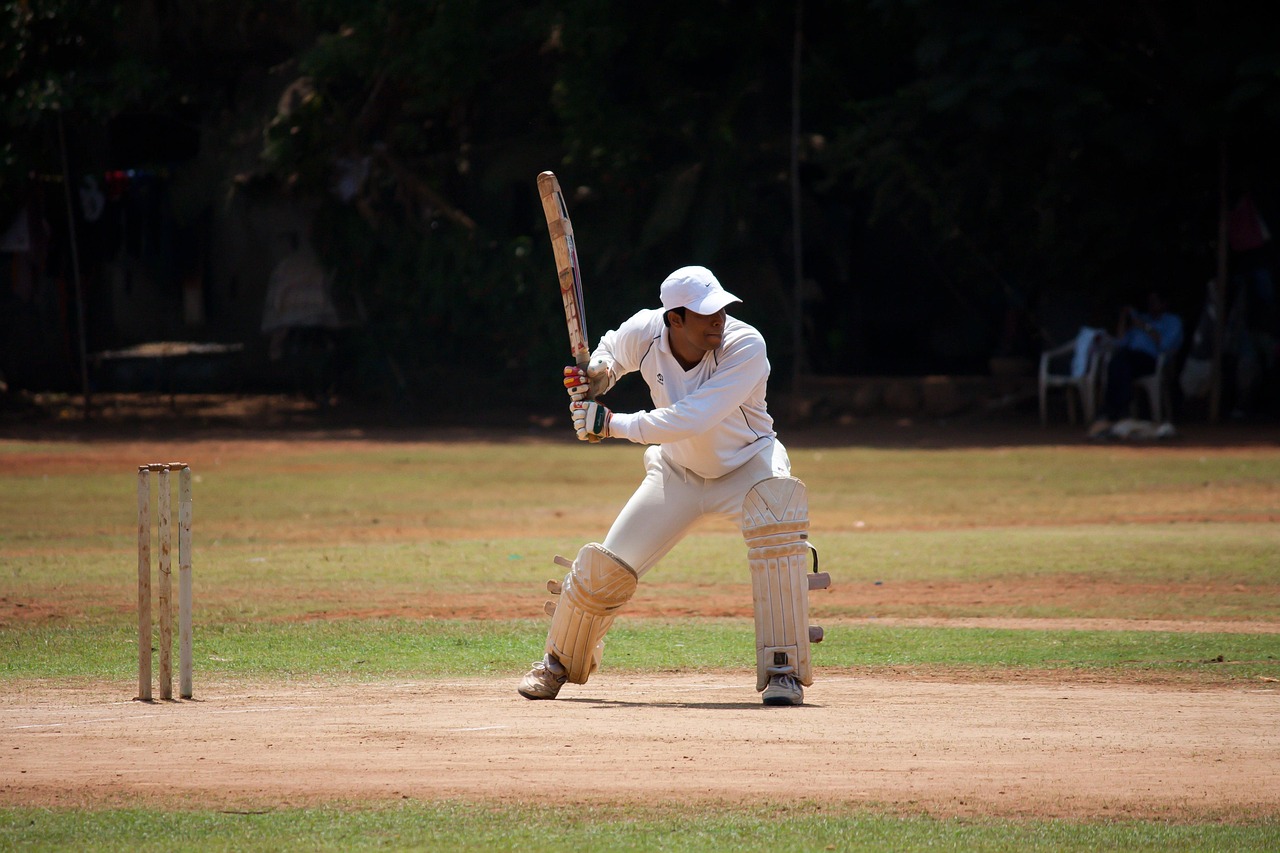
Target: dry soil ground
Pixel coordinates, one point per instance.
(945, 745)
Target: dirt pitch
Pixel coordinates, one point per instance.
(944, 746)
(944, 742)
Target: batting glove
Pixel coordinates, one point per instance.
(588, 384)
(590, 420)
(576, 383)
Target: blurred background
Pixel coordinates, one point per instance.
(337, 198)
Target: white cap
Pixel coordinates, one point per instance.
(697, 289)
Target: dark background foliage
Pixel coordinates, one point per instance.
(974, 179)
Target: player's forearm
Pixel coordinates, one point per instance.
(690, 417)
(737, 380)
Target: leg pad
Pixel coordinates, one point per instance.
(775, 524)
(596, 587)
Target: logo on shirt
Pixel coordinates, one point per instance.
(660, 379)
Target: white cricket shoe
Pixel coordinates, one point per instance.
(783, 690)
(544, 680)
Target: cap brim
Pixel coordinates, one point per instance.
(713, 302)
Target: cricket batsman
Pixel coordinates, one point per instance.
(711, 449)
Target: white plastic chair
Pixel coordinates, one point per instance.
(1156, 387)
(1056, 372)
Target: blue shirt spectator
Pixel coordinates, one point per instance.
(1141, 338)
(1153, 333)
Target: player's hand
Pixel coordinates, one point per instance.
(590, 420)
(576, 383)
(591, 383)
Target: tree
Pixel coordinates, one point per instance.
(953, 160)
(668, 126)
(1063, 145)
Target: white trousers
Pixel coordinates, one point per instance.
(672, 499)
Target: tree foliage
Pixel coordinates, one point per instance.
(51, 62)
(956, 160)
(1069, 145)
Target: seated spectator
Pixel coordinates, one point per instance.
(1141, 337)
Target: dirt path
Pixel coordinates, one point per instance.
(947, 747)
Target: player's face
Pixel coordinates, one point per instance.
(702, 332)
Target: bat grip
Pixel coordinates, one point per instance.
(591, 439)
(582, 360)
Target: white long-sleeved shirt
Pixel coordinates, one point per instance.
(710, 419)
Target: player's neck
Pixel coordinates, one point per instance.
(686, 356)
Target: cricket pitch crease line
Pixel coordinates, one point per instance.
(477, 729)
(147, 716)
(268, 710)
(79, 722)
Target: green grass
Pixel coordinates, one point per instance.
(492, 827)
(387, 648)
(461, 486)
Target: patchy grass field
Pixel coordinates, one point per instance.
(1037, 645)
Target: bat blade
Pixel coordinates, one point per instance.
(560, 227)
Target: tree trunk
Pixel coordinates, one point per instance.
(797, 244)
(1219, 292)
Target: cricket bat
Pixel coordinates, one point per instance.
(560, 228)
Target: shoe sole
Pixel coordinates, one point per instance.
(782, 700)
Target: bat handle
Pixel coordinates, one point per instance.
(582, 361)
(593, 439)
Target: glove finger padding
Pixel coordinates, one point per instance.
(590, 420)
(575, 382)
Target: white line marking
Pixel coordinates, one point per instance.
(478, 729)
(146, 716)
(259, 710)
(79, 722)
